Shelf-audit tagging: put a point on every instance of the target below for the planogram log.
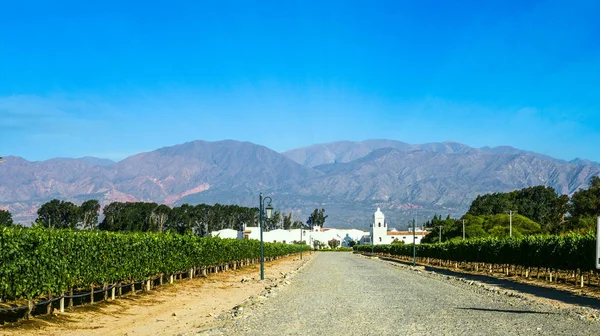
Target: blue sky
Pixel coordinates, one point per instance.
(113, 79)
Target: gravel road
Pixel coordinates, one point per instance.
(343, 293)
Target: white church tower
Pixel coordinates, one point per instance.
(379, 228)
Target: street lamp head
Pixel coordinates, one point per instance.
(269, 211)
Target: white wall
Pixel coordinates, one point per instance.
(289, 236)
(406, 238)
(342, 235)
(226, 233)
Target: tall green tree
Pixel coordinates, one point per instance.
(317, 217)
(557, 221)
(448, 227)
(541, 204)
(182, 219)
(490, 204)
(274, 222)
(287, 221)
(89, 212)
(112, 217)
(185, 219)
(161, 216)
(585, 206)
(5, 218)
(298, 225)
(58, 214)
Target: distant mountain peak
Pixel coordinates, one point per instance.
(348, 178)
(584, 162)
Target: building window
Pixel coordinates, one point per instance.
(379, 224)
(379, 238)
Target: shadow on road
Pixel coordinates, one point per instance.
(506, 311)
(547, 293)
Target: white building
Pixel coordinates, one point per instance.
(381, 235)
(379, 232)
(323, 235)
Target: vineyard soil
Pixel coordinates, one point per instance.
(186, 306)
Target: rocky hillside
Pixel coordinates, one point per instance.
(347, 178)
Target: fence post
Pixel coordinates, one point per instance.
(92, 294)
(29, 309)
(62, 303)
(49, 307)
(112, 292)
(71, 298)
(171, 279)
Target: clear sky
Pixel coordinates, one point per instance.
(114, 78)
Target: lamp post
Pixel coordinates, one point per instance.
(260, 221)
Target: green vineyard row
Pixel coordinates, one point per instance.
(37, 261)
(568, 252)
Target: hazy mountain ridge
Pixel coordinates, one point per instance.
(354, 178)
(346, 151)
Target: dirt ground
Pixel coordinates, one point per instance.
(186, 306)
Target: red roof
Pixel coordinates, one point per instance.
(405, 233)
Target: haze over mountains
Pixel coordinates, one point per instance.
(348, 179)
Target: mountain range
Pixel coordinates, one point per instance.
(348, 179)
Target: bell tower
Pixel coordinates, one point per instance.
(379, 228)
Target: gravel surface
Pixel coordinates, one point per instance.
(343, 293)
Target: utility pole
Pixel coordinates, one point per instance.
(300, 242)
(510, 214)
(372, 237)
(414, 245)
(440, 227)
(463, 221)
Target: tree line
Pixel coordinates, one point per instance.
(534, 210)
(153, 217)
